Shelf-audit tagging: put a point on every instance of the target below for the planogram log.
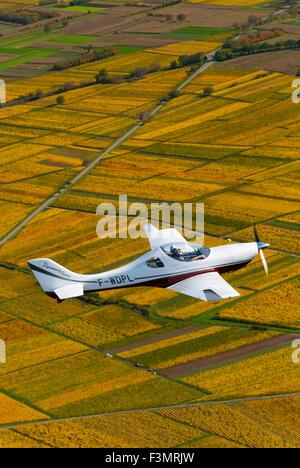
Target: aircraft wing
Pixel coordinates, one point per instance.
(206, 286)
(157, 237)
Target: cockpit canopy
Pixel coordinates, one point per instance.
(185, 252)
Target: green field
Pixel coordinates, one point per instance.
(4, 26)
(123, 49)
(73, 39)
(197, 33)
(82, 9)
(23, 59)
(24, 39)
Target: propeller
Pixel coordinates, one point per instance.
(256, 233)
(261, 246)
(264, 261)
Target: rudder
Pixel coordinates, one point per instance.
(56, 280)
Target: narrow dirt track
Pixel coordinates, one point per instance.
(244, 351)
(153, 339)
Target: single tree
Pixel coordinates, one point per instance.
(208, 90)
(174, 93)
(103, 77)
(139, 72)
(181, 17)
(60, 100)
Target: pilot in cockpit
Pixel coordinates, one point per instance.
(175, 252)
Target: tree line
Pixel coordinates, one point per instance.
(103, 77)
(27, 16)
(86, 58)
(233, 51)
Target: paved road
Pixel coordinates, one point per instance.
(198, 72)
(69, 185)
(244, 351)
(154, 409)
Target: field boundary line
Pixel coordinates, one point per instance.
(153, 409)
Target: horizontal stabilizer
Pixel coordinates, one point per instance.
(69, 291)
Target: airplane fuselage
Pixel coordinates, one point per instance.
(221, 259)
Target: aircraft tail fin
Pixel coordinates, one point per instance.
(56, 280)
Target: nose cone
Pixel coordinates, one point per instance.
(262, 245)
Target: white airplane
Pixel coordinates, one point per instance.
(172, 263)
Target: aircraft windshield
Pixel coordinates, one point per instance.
(186, 252)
